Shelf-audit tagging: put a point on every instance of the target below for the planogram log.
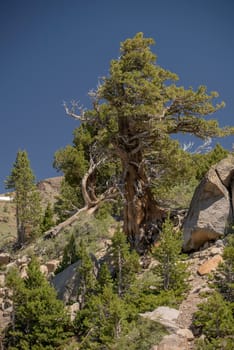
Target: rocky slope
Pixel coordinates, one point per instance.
(210, 211)
(179, 322)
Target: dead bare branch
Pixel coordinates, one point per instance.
(71, 111)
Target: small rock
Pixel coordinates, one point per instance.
(219, 243)
(173, 342)
(206, 245)
(206, 290)
(52, 265)
(216, 251)
(6, 305)
(72, 309)
(4, 259)
(44, 269)
(185, 333)
(23, 272)
(22, 261)
(202, 337)
(196, 290)
(209, 265)
(7, 311)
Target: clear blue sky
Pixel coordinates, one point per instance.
(55, 50)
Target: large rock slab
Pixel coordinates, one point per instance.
(67, 282)
(164, 315)
(211, 209)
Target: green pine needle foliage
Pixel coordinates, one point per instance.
(170, 270)
(40, 320)
(48, 219)
(70, 255)
(125, 262)
(216, 320)
(27, 199)
(215, 317)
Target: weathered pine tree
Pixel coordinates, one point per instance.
(135, 110)
(27, 199)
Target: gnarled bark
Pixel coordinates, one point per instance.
(142, 216)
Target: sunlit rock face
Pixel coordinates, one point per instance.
(211, 210)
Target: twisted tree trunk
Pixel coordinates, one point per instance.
(142, 216)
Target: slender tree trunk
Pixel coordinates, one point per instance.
(21, 235)
(118, 329)
(120, 282)
(20, 230)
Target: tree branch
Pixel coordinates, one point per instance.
(71, 112)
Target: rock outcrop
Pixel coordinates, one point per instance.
(67, 282)
(211, 209)
(49, 189)
(164, 315)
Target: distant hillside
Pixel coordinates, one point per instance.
(49, 189)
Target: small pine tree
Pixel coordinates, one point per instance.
(125, 262)
(48, 220)
(103, 320)
(87, 279)
(39, 318)
(27, 199)
(104, 278)
(203, 162)
(225, 275)
(68, 201)
(215, 317)
(215, 320)
(70, 255)
(171, 272)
